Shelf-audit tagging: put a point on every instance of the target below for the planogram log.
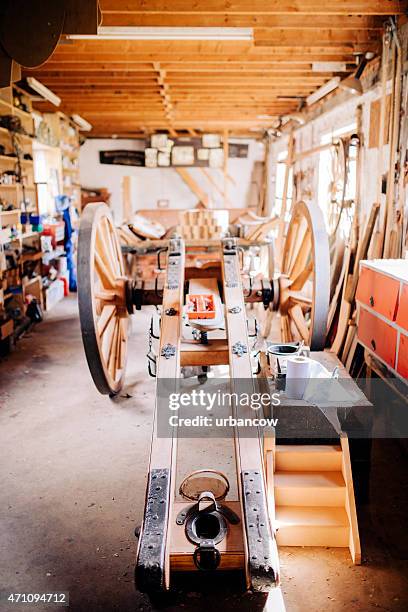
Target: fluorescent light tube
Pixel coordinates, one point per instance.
(329, 67)
(43, 91)
(323, 91)
(82, 123)
(142, 33)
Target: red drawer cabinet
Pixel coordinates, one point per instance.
(378, 291)
(378, 336)
(402, 313)
(402, 361)
(382, 299)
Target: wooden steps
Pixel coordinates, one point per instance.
(314, 497)
(305, 458)
(312, 526)
(310, 488)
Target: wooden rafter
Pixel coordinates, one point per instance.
(256, 7)
(139, 86)
(193, 186)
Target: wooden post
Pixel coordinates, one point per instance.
(226, 153)
(390, 246)
(288, 166)
(127, 211)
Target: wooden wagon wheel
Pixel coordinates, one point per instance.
(102, 300)
(304, 284)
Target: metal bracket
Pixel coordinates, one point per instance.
(231, 279)
(234, 309)
(170, 312)
(149, 573)
(206, 556)
(159, 252)
(239, 349)
(168, 351)
(262, 556)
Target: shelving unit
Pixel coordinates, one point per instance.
(67, 138)
(20, 247)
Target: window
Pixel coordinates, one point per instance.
(337, 180)
(280, 185)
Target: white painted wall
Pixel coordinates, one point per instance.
(152, 184)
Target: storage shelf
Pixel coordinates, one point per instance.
(17, 185)
(31, 256)
(9, 158)
(5, 132)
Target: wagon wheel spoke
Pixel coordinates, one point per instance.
(296, 315)
(108, 313)
(292, 230)
(113, 349)
(114, 250)
(297, 297)
(104, 272)
(302, 255)
(107, 339)
(105, 251)
(267, 325)
(299, 281)
(299, 243)
(285, 329)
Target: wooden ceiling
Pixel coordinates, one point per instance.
(129, 88)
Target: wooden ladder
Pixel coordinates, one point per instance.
(314, 496)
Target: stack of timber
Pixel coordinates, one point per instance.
(199, 224)
(345, 337)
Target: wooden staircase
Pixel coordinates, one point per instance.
(313, 496)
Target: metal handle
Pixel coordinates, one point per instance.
(206, 556)
(159, 252)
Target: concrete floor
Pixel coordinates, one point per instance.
(72, 481)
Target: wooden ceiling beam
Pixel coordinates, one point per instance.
(137, 69)
(195, 123)
(315, 37)
(100, 77)
(179, 107)
(222, 20)
(119, 88)
(189, 96)
(195, 80)
(256, 7)
(235, 62)
(309, 52)
(261, 108)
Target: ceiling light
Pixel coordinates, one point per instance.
(141, 33)
(82, 123)
(329, 67)
(323, 91)
(352, 83)
(33, 87)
